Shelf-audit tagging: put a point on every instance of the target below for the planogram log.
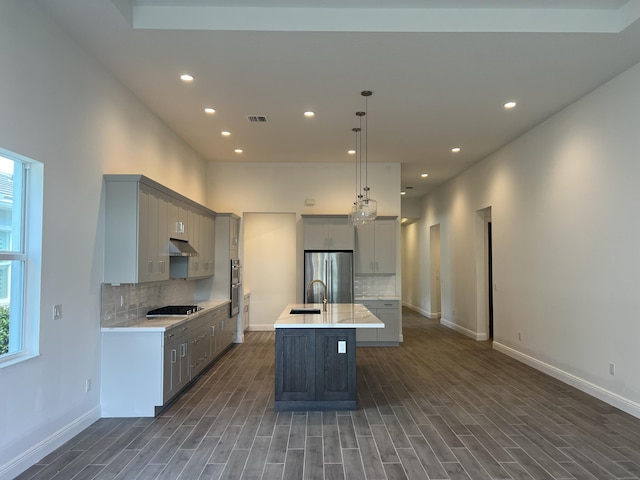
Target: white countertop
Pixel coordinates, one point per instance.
(161, 324)
(338, 315)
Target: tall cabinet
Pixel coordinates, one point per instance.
(227, 243)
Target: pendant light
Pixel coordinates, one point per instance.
(355, 216)
(369, 206)
(355, 213)
(364, 208)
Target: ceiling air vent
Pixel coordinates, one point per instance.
(257, 118)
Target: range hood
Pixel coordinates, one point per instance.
(181, 248)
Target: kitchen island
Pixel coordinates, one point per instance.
(315, 364)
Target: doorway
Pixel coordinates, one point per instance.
(484, 275)
(490, 277)
(435, 289)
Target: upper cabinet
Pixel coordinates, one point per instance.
(331, 232)
(234, 236)
(141, 216)
(375, 250)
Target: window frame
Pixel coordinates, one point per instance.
(29, 257)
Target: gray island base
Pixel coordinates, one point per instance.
(315, 364)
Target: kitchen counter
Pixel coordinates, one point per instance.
(315, 364)
(338, 315)
(162, 324)
(149, 363)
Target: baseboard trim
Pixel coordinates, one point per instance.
(618, 401)
(263, 327)
(465, 331)
(422, 311)
(22, 462)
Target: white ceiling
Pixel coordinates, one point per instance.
(440, 71)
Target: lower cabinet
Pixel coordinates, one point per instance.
(388, 311)
(144, 369)
(315, 369)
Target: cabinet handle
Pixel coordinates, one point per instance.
(174, 356)
(149, 266)
(162, 266)
(213, 330)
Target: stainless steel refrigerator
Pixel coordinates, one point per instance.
(335, 269)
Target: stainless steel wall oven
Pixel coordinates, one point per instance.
(235, 287)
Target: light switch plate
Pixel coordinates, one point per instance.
(342, 346)
(57, 312)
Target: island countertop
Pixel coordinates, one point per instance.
(338, 315)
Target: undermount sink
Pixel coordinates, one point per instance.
(308, 311)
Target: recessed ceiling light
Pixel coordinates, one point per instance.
(351, 152)
(225, 133)
(309, 114)
(238, 150)
(455, 150)
(210, 110)
(424, 175)
(509, 105)
(185, 77)
(403, 193)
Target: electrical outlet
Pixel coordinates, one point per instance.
(87, 385)
(612, 368)
(57, 312)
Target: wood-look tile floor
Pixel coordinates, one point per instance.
(441, 406)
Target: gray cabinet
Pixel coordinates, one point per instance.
(375, 251)
(388, 311)
(136, 240)
(144, 369)
(140, 217)
(331, 232)
(312, 372)
(226, 249)
(202, 239)
(246, 311)
(176, 371)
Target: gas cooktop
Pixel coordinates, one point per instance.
(173, 311)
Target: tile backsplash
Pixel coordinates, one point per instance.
(374, 286)
(127, 304)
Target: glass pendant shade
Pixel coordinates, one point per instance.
(356, 216)
(369, 209)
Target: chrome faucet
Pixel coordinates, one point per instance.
(324, 299)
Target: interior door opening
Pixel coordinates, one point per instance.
(490, 277)
(435, 292)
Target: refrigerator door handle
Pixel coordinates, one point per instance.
(329, 275)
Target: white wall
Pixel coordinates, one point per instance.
(566, 244)
(269, 269)
(283, 187)
(59, 107)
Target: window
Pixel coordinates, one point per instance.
(20, 246)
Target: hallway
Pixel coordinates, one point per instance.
(440, 406)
